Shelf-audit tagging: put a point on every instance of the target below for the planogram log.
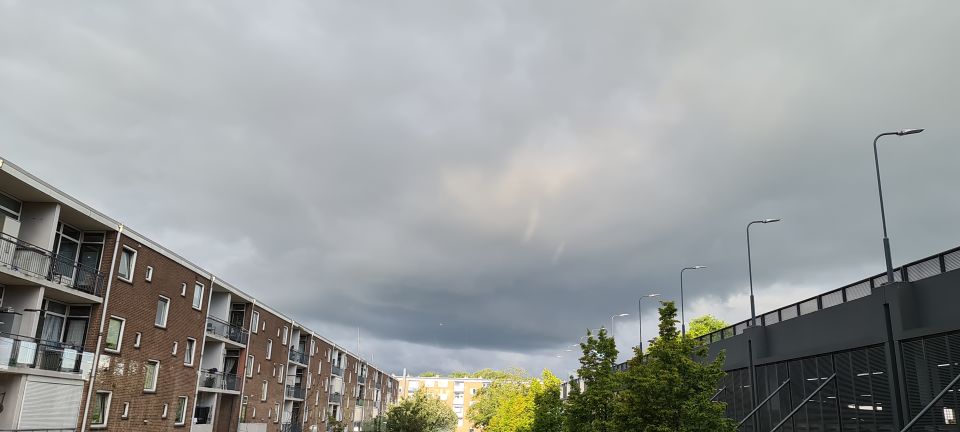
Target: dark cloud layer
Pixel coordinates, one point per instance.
(517, 171)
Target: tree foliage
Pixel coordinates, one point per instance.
(705, 325)
(421, 413)
(517, 403)
(503, 390)
(670, 387)
(592, 409)
(547, 406)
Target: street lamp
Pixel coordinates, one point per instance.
(753, 307)
(611, 321)
(883, 217)
(683, 320)
(639, 318)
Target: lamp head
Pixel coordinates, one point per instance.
(699, 267)
(652, 295)
(909, 131)
(771, 220)
(623, 315)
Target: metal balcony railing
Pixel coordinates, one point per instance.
(291, 427)
(299, 356)
(294, 391)
(336, 370)
(32, 353)
(335, 398)
(226, 330)
(33, 260)
(914, 271)
(378, 385)
(359, 402)
(219, 380)
(361, 379)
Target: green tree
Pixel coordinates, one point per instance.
(429, 374)
(503, 390)
(421, 413)
(514, 414)
(705, 325)
(459, 374)
(670, 387)
(592, 410)
(547, 406)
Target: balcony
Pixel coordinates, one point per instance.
(294, 391)
(219, 381)
(336, 370)
(291, 427)
(226, 330)
(362, 379)
(299, 357)
(335, 398)
(26, 258)
(359, 402)
(30, 353)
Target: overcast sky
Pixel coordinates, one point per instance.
(475, 183)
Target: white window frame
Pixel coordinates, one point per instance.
(166, 408)
(276, 407)
(123, 324)
(106, 410)
(183, 415)
(125, 413)
(190, 351)
(166, 312)
(263, 390)
(254, 321)
(286, 335)
(136, 339)
(156, 377)
(132, 262)
(183, 289)
(282, 374)
(173, 352)
(198, 286)
(269, 348)
(149, 276)
(250, 360)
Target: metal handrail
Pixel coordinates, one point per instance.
(903, 272)
(224, 329)
(802, 403)
(930, 405)
(714, 398)
(298, 356)
(219, 380)
(33, 353)
(39, 262)
(760, 405)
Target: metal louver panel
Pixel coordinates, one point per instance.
(50, 404)
(924, 269)
(952, 260)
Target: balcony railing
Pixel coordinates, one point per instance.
(378, 385)
(33, 260)
(299, 357)
(335, 398)
(362, 379)
(226, 330)
(291, 427)
(32, 353)
(914, 271)
(294, 391)
(359, 402)
(336, 370)
(219, 380)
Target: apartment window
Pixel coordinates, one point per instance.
(253, 413)
(10, 206)
(188, 352)
(269, 348)
(263, 391)
(181, 411)
(101, 409)
(149, 276)
(136, 339)
(286, 332)
(163, 309)
(128, 259)
(114, 334)
(273, 372)
(255, 321)
(258, 368)
(281, 375)
(276, 409)
(198, 296)
(152, 369)
(126, 411)
(173, 352)
(163, 414)
(183, 289)
(249, 367)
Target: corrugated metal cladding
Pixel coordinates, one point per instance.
(50, 403)
(930, 364)
(858, 399)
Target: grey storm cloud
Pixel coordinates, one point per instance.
(517, 171)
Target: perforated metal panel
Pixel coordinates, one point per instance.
(809, 306)
(924, 269)
(859, 290)
(952, 260)
(832, 299)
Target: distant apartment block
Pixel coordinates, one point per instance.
(458, 393)
(103, 329)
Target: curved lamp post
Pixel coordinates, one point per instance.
(883, 216)
(683, 320)
(753, 307)
(639, 318)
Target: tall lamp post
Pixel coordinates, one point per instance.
(883, 217)
(753, 306)
(639, 317)
(683, 319)
(611, 321)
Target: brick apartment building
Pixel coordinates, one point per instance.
(103, 329)
(458, 393)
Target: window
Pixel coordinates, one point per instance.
(136, 339)
(276, 410)
(280, 375)
(198, 296)
(10, 206)
(173, 352)
(101, 409)
(249, 367)
(286, 332)
(181, 410)
(151, 370)
(126, 410)
(163, 309)
(255, 321)
(269, 348)
(253, 413)
(149, 276)
(183, 289)
(263, 391)
(188, 352)
(273, 372)
(163, 414)
(258, 368)
(128, 259)
(114, 334)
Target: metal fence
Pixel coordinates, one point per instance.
(335, 398)
(27, 352)
(226, 330)
(291, 427)
(336, 370)
(920, 269)
(219, 380)
(299, 356)
(33, 260)
(295, 391)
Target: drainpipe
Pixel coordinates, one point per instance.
(246, 352)
(103, 320)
